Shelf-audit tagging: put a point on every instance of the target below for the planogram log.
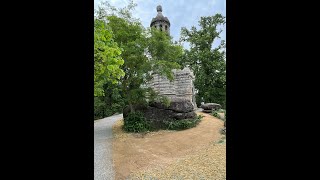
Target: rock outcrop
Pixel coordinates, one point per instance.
(209, 107)
(157, 113)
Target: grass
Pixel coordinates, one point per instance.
(183, 124)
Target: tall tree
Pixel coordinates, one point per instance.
(107, 59)
(144, 52)
(208, 63)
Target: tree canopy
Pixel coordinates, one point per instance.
(107, 59)
(208, 63)
(143, 51)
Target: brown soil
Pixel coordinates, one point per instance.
(134, 153)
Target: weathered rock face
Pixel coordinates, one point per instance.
(207, 110)
(156, 113)
(188, 115)
(211, 106)
(177, 105)
(181, 87)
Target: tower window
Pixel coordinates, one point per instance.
(160, 27)
(166, 27)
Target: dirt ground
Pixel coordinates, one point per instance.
(133, 153)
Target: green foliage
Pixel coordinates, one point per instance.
(135, 122)
(207, 63)
(165, 100)
(107, 59)
(144, 52)
(109, 104)
(183, 124)
(165, 55)
(215, 114)
(155, 97)
(99, 108)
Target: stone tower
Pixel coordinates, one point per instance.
(182, 86)
(161, 22)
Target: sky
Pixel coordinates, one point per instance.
(181, 13)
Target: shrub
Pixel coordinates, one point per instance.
(183, 124)
(99, 108)
(154, 96)
(215, 114)
(135, 122)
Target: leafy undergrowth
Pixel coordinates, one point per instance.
(183, 124)
(137, 123)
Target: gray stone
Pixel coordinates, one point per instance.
(181, 87)
(176, 105)
(181, 105)
(207, 111)
(188, 115)
(156, 113)
(160, 22)
(211, 106)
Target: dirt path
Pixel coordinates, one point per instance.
(136, 153)
(103, 167)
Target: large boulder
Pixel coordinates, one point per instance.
(188, 115)
(211, 106)
(156, 113)
(207, 111)
(176, 105)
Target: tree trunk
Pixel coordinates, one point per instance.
(131, 107)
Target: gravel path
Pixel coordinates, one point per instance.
(103, 169)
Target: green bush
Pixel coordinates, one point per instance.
(99, 108)
(183, 124)
(215, 114)
(154, 96)
(135, 122)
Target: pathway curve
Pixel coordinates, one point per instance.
(103, 168)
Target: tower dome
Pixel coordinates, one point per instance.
(160, 22)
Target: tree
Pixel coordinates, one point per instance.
(164, 54)
(144, 52)
(208, 63)
(107, 59)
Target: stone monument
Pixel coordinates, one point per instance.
(182, 86)
(180, 91)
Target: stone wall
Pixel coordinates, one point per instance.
(181, 87)
(164, 24)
